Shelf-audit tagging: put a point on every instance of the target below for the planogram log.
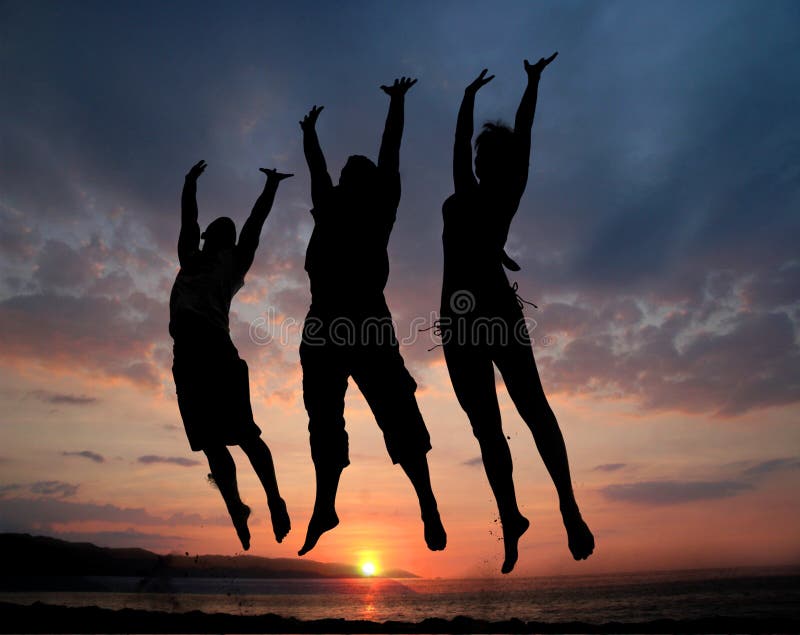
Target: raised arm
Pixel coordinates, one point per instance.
(189, 238)
(251, 230)
(389, 155)
(463, 177)
(527, 108)
(321, 182)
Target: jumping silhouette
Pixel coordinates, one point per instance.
(481, 315)
(348, 330)
(211, 379)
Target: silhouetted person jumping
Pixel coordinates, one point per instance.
(348, 330)
(211, 379)
(481, 315)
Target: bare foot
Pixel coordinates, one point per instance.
(512, 531)
(280, 519)
(320, 523)
(579, 538)
(435, 535)
(240, 523)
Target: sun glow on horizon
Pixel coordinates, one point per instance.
(369, 569)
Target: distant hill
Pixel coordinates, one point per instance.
(25, 556)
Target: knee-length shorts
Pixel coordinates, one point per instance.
(213, 389)
(379, 372)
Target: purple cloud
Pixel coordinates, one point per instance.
(772, 465)
(609, 467)
(87, 454)
(149, 459)
(59, 489)
(64, 399)
(673, 492)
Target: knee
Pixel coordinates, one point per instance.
(538, 416)
(219, 460)
(254, 446)
(486, 427)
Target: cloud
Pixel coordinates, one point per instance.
(94, 333)
(673, 492)
(59, 266)
(54, 488)
(772, 465)
(473, 462)
(10, 487)
(609, 467)
(727, 364)
(639, 195)
(22, 514)
(149, 459)
(87, 454)
(65, 399)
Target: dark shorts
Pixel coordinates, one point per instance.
(213, 388)
(378, 370)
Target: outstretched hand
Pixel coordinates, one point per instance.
(480, 81)
(400, 87)
(196, 171)
(310, 120)
(534, 70)
(273, 175)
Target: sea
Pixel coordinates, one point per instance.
(633, 597)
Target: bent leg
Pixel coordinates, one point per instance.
(472, 375)
(223, 470)
(261, 460)
(518, 368)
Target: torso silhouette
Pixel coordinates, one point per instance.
(202, 293)
(347, 260)
(476, 225)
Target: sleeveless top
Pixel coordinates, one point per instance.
(476, 227)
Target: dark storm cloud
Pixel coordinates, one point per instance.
(673, 492)
(149, 459)
(87, 454)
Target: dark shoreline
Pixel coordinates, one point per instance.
(46, 618)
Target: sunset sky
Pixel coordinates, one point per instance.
(658, 235)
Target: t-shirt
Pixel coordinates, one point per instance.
(202, 293)
(347, 259)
